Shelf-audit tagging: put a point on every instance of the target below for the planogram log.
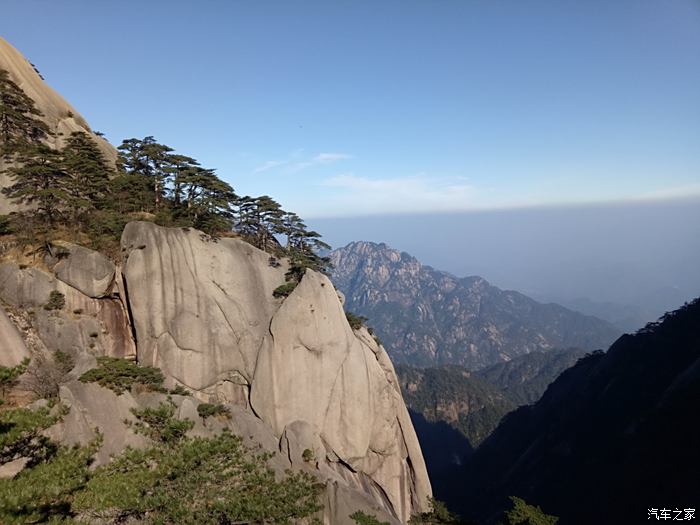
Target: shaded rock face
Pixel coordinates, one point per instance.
(58, 114)
(429, 318)
(82, 324)
(204, 313)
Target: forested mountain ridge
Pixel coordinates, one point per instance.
(426, 317)
(474, 402)
(613, 436)
(456, 396)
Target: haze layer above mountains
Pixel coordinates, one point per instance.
(626, 263)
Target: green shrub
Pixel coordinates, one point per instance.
(160, 423)
(10, 375)
(5, 225)
(524, 514)
(285, 289)
(20, 434)
(57, 301)
(180, 390)
(206, 410)
(356, 321)
(188, 480)
(308, 455)
(43, 494)
(202, 481)
(120, 375)
(438, 515)
(361, 518)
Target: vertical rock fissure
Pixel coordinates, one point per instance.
(129, 314)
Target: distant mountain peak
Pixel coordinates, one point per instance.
(427, 317)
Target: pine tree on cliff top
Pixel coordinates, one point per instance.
(20, 122)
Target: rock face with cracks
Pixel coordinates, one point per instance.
(204, 313)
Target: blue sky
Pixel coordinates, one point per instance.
(353, 108)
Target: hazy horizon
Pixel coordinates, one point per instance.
(642, 254)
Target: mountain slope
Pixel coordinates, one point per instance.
(426, 317)
(456, 396)
(525, 378)
(612, 436)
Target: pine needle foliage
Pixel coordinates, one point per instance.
(120, 375)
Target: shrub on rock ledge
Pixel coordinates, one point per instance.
(120, 375)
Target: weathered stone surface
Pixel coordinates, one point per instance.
(95, 407)
(204, 313)
(84, 324)
(86, 270)
(201, 307)
(10, 469)
(12, 347)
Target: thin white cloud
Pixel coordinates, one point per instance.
(673, 192)
(293, 165)
(362, 195)
(321, 158)
(270, 164)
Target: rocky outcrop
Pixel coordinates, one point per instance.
(80, 324)
(86, 270)
(201, 307)
(58, 114)
(204, 313)
(429, 318)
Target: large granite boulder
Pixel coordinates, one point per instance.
(81, 324)
(86, 270)
(204, 313)
(201, 307)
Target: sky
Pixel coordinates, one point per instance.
(552, 147)
(354, 108)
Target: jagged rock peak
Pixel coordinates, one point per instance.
(427, 317)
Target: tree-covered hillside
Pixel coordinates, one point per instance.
(612, 437)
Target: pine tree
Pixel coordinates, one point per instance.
(148, 158)
(89, 174)
(40, 180)
(20, 120)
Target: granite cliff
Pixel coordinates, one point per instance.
(292, 370)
